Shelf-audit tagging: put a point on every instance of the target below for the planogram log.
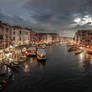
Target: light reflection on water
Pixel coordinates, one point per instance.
(85, 57)
(26, 68)
(61, 71)
(33, 62)
(85, 61)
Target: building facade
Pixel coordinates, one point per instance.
(83, 37)
(5, 35)
(13, 35)
(47, 37)
(20, 36)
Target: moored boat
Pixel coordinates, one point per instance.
(78, 52)
(31, 51)
(41, 54)
(73, 49)
(89, 52)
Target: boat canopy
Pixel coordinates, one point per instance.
(32, 48)
(41, 51)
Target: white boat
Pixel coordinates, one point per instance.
(31, 51)
(41, 54)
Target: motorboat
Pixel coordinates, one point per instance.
(89, 52)
(31, 51)
(41, 54)
(78, 52)
(73, 49)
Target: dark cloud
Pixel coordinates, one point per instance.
(58, 13)
(14, 20)
(43, 18)
(46, 15)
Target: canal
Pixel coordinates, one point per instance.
(62, 71)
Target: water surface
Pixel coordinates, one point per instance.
(63, 71)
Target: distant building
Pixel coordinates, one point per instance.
(5, 35)
(33, 37)
(83, 37)
(66, 39)
(20, 36)
(48, 37)
(13, 35)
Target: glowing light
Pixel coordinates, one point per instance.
(81, 57)
(83, 20)
(77, 20)
(26, 68)
(81, 47)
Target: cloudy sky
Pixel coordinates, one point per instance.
(62, 16)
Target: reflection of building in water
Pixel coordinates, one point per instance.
(65, 50)
(33, 60)
(81, 59)
(3, 69)
(89, 57)
(42, 64)
(26, 67)
(85, 61)
(50, 49)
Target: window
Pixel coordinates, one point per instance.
(1, 37)
(13, 38)
(6, 36)
(14, 28)
(20, 38)
(14, 32)
(20, 32)
(7, 29)
(0, 25)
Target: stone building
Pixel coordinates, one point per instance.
(48, 37)
(5, 35)
(13, 35)
(20, 36)
(83, 37)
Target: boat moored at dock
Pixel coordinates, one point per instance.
(31, 51)
(41, 54)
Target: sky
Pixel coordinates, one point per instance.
(61, 16)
